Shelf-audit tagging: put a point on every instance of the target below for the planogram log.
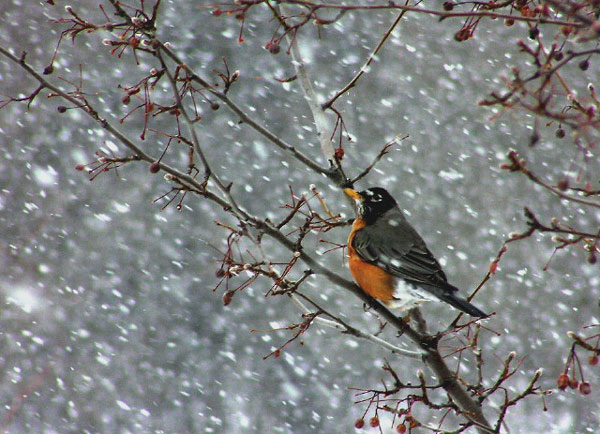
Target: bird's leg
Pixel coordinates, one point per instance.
(406, 318)
(421, 324)
(430, 341)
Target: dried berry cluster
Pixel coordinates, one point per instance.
(539, 88)
(565, 235)
(572, 377)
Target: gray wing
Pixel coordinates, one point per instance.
(391, 243)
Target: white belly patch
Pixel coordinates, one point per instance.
(408, 296)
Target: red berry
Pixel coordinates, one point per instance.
(227, 297)
(593, 360)
(525, 11)
(584, 65)
(563, 184)
(155, 167)
(534, 32)
(214, 106)
(462, 35)
(585, 388)
(401, 429)
(374, 422)
(560, 133)
(48, 70)
(61, 109)
(563, 381)
(359, 423)
(274, 48)
(573, 383)
(448, 6)
(80, 167)
(590, 111)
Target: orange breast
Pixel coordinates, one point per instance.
(373, 280)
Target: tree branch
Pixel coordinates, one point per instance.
(442, 14)
(426, 343)
(272, 137)
(366, 65)
(345, 328)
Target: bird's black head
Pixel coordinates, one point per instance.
(372, 202)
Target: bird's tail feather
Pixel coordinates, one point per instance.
(463, 305)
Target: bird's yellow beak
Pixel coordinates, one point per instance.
(354, 194)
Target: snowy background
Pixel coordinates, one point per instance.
(109, 323)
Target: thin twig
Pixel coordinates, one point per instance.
(366, 65)
(225, 191)
(272, 137)
(344, 328)
(376, 160)
(442, 14)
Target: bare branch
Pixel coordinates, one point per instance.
(321, 123)
(518, 165)
(376, 160)
(225, 191)
(365, 68)
(442, 14)
(272, 137)
(344, 328)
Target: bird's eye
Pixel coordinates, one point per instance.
(376, 198)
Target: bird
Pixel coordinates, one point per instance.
(391, 262)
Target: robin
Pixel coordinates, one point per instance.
(390, 261)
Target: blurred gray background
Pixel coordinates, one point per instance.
(109, 322)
